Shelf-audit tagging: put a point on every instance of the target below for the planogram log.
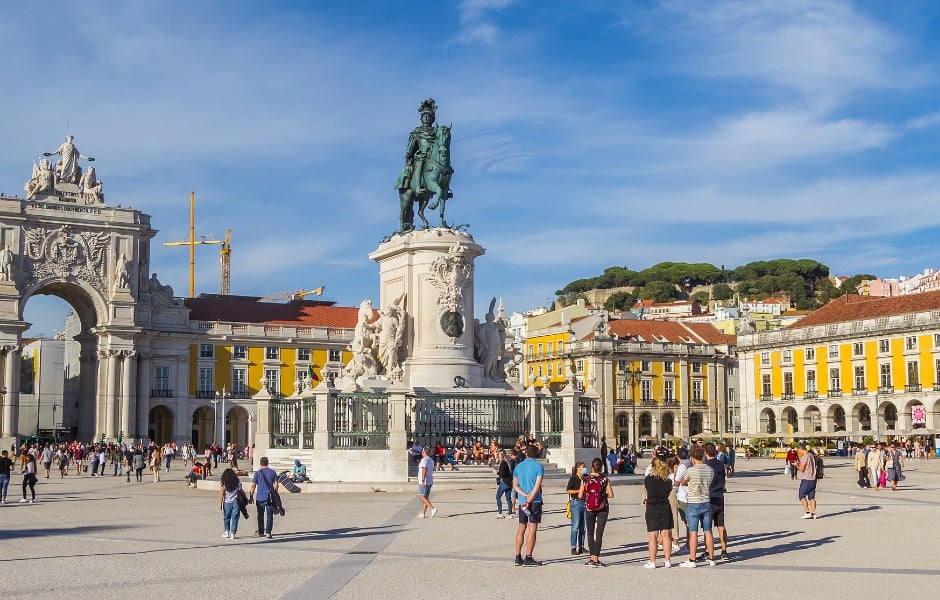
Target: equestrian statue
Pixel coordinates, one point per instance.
(427, 170)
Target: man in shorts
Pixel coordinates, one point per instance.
(699, 510)
(425, 481)
(527, 482)
(806, 467)
(716, 494)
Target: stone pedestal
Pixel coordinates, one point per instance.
(433, 268)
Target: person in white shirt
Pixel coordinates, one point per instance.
(425, 481)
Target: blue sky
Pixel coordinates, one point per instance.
(585, 134)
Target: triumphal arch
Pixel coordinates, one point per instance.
(62, 238)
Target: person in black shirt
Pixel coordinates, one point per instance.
(578, 515)
(716, 493)
(659, 520)
(6, 467)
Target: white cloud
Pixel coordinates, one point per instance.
(924, 121)
(826, 51)
(476, 21)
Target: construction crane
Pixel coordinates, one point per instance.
(192, 242)
(295, 295)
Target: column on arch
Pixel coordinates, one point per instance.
(143, 395)
(128, 393)
(11, 398)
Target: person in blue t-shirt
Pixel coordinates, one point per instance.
(527, 483)
(300, 472)
(264, 482)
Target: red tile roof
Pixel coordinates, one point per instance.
(669, 331)
(249, 310)
(852, 307)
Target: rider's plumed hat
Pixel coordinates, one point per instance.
(428, 106)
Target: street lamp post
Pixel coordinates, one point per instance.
(219, 397)
(632, 375)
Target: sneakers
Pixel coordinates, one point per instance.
(500, 516)
(711, 563)
(225, 534)
(574, 552)
(531, 562)
(675, 548)
(231, 536)
(33, 501)
(420, 515)
(689, 564)
(433, 512)
(271, 536)
(649, 565)
(581, 550)
(807, 516)
(512, 515)
(724, 555)
(814, 515)
(23, 501)
(667, 564)
(519, 562)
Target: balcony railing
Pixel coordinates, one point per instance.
(670, 402)
(766, 397)
(835, 393)
(698, 402)
(787, 396)
(914, 387)
(648, 402)
(859, 391)
(886, 389)
(162, 394)
(239, 395)
(811, 394)
(205, 394)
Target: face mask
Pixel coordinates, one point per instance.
(584, 471)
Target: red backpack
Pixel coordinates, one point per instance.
(594, 492)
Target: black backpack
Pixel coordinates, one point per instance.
(820, 467)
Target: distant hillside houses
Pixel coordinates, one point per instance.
(927, 281)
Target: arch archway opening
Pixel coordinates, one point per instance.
(160, 424)
(58, 383)
(768, 421)
(237, 426)
(695, 424)
(204, 427)
(668, 424)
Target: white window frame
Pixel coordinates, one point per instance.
(303, 354)
(239, 352)
(206, 351)
(272, 353)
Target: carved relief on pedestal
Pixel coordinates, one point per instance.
(65, 252)
(451, 274)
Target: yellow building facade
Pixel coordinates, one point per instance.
(860, 366)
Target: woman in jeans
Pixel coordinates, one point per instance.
(228, 500)
(578, 517)
(504, 488)
(596, 519)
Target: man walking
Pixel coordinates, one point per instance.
(716, 496)
(425, 481)
(806, 467)
(267, 478)
(527, 483)
(47, 459)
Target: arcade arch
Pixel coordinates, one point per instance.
(203, 427)
(768, 421)
(812, 419)
(161, 424)
(237, 426)
(791, 423)
(668, 424)
(836, 416)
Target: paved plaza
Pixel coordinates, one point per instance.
(105, 538)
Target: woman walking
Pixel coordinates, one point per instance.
(576, 508)
(155, 459)
(228, 500)
(894, 462)
(139, 463)
(29, 479)
(659, 519)
(504, 485)
(596, 490)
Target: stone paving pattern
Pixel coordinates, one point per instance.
(103, 538)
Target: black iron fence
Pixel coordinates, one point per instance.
(308, 420)
(587, 421)
(360, 421)
(552, 422)
(283, 421)
(485, 418)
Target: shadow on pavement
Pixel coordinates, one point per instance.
(792, 546)
(12, 534)
(848, 511)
